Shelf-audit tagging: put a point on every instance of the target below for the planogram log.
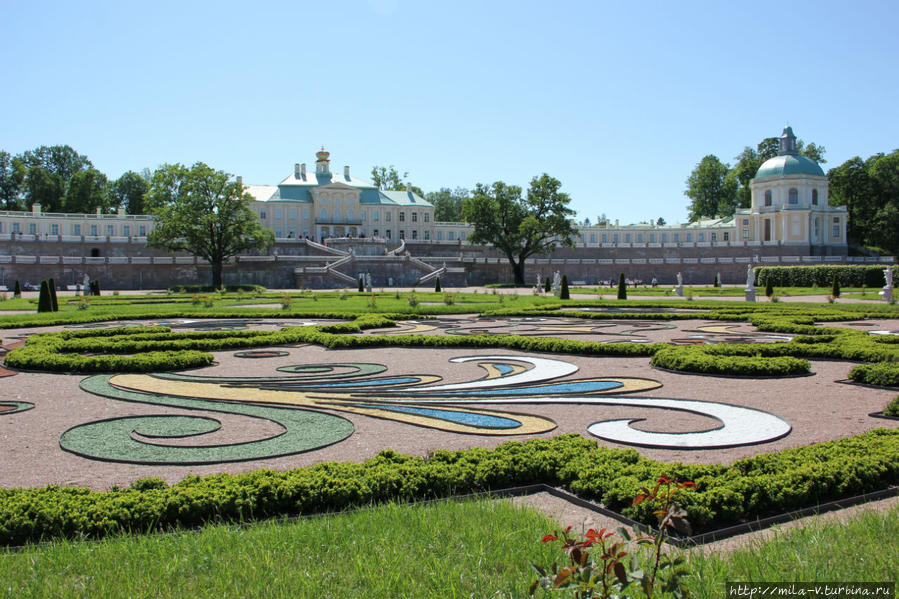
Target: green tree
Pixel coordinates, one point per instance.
(388, 179)
(563, 290)
(660, 222)
(204, 212)
(851, 186)
(49, 170)
(884, 173)
(711, 191)
(87, 192)
(870, 191)
(447, 203)
(12, 179)
(128, 192)
(622, 287)
(44, 303)
(519, 227)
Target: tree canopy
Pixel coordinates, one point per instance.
(711, 191)
(389, 179)
(520, 227)
(448, 203)
(870, 191)
(204, 212)
(128, 192)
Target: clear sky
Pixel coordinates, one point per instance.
(619, 101)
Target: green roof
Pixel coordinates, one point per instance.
(789, 164)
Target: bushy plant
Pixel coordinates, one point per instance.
(361, 288)
(437, 285)
(449, 299)
(54, 301)
(547, 285)
(412, 300)
(622, 287)
(17, 290)
(835, 287)
(563, 293)
(44, 303)
(769, 288)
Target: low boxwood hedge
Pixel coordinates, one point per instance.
(699, 360)
(883, 374)
(749, 489)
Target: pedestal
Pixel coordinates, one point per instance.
(887, 294)
(750, 294)
(680, 291)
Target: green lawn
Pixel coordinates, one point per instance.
(445, 549)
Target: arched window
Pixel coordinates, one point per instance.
(324, 214)
(768, 198)
(794, 195)
(814, 197)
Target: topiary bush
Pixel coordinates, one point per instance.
(44, 303)
(882, 374)
(563, 292)
(437, 286)
(769, 289)
(835, 287)
(547, 286)
(17, 290)
(622, 287)
(892, 408)
(54, 302)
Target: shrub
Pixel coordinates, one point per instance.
(547, 286)
(883, 374)
(51, 286)
(822, 276)
(17, 290)
(449, 299)
(892, 408)
(437, 285)
(835, 288)
(44, 303)
(699, 360)
(622, 287)
(361, 285)
(769, 288)
(412, 300)
(563, 293)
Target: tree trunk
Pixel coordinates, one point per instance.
(518, 270)
(216, 274)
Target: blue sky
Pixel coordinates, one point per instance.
(619, 101)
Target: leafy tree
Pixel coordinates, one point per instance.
(204, 212)
(711, 191)
(49, 170)
(388, 179)
(128, 192)
(12, 179)
(660, 222)
(851, 186)
(870, 191)
(87, 192)
(448, 203)
(520, 227)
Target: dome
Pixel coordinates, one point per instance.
(789, 164)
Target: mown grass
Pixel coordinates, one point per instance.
(447, 549)
(441, 550)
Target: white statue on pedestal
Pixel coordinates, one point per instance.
(887, 292)
(750, 277)
(557, 283)
(680, 285)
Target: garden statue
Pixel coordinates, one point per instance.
(887, 292)
(750, 284)
(680, 285)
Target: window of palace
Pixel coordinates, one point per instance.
(652, 238)
(415, 234)
(415, 217)
(701, 236)
(451, 236)
(464, 235)
(665, 237)
(126, 230)
(32, 229)
(94, 230)
(387, 216)
(627, 238)
(836, 227)
(278, 213)
(387, 234)
(768, 198)
(427, 236)
(614, 237)
(714, 236)
(362, 215)
(402, 233)
(592, 237)
(76, 229)
(814, 197)
(293, 214)
(689, 237)
(262, 214)
(794, 196)
(142, 230)
(727, 236)
(110, 230)
(374, 233)
(439, 235)
(15, 228)
(677, 238)
(402, 216)
(427, 217)
(639, 237)
(605, 237)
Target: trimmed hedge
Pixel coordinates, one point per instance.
(892, 408)
(698, 360)
(823, 276)
(883, 374)
(750, 488)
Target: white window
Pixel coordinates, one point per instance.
(387, 216)
(795, 226)
(402, 233)
(262, 214)
(402, 216)
(32, 229)
(427, 236)
(54, 229)
(450, 236)
(745, 232)
(374, 215)
(427, 217)
(836, 227)
(110, 230)
(727, 236)
(15, 228)
(76, 229)
(415, 217)
(142, 230)
(745, 222)
(414, 234)
(305, 213)
(126, 230)
(349, 215)
(94, 230)
(794, 195)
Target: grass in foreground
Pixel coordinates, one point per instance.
(446, 549)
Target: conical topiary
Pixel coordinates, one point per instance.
(563, 293)
(51, 286)
(717, 281)
(622, 287)
(97, 287)
(437, 286)
(835, 289)
(17, 289)
(769, 288)
(361, 285)
(547, 286)
(44, 303)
